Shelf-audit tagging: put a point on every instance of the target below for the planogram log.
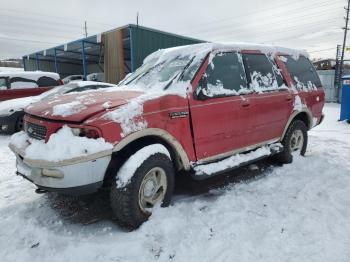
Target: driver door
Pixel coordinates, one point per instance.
(221, 117)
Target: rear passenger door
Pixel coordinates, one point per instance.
(272, 100)
(220, 110)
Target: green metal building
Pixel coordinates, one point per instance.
(115, 53)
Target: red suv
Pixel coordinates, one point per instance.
(204, 109)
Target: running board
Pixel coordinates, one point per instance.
(203, 171)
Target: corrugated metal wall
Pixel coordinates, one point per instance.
(145, 41)
(327, 80)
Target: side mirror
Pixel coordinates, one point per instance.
(202, 88)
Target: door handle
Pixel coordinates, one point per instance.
(289, 98)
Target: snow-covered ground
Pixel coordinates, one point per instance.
(296, 212)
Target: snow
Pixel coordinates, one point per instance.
(68, 109)
(233, 161)
(298, 105)
(33, 75)
(10, 69)
(205, 48)
(129, 115)
(296, 212)
(135, 161)
(13, 105)
(62, 145)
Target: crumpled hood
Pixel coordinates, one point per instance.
(78, 107)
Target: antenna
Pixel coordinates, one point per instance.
(85, 28)
(137, 19)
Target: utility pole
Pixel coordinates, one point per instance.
(85, 28)
(344, 44)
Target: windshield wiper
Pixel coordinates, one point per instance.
(178, 75)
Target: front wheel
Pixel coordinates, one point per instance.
(150, 185)
(294, 142)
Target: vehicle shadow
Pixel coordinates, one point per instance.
(94, 208)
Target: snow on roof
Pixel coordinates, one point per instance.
(10, 69)
(33, 75)
(204, 48)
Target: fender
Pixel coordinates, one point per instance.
(294, 114)
(181, 154)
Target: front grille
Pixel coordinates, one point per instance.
(36, 131)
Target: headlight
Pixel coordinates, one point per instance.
(85, 132)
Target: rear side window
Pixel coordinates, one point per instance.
(225, 75)
(263, 74)
(302, 72)
(46, 81)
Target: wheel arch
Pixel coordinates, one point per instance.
(132, 143)
(304, 115)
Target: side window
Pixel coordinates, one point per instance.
(225, 76)
(263, 75)
(22, 83)
(302, 72)
(46, 81)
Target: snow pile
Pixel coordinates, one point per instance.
(62, 145)
(13, 105)
(135, 161)
(233, 161)
(68, 109)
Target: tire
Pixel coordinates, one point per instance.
(295, 130)
(126, 201)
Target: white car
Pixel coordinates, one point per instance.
(70, 78)
(12, 111)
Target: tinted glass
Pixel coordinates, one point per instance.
(46, 81)
(301, 71)
(261, 72)
(225, 73)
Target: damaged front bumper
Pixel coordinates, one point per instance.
(81, 175)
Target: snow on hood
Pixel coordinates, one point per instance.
(78, 107)
(11, 106)
(61, 146)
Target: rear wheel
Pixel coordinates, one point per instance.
(294, 142)
(151, 184)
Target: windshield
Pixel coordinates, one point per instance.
(152, 74)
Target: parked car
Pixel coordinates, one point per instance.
(202, 109)
(98, 77)
(67, 79)
(15, 84)
(12, 111)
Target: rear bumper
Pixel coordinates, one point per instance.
(8, 123)
(77, 178)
